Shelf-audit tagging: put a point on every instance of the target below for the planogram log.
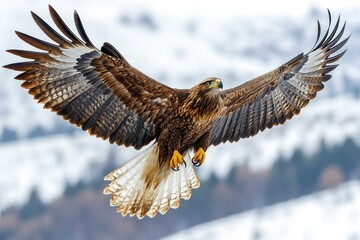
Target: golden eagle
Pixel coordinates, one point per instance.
(99, 91)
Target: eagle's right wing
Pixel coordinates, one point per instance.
(97, 90)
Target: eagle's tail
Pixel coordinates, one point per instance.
(144, 187)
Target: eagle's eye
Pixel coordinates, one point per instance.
(208, 83)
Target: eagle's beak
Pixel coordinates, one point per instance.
(219, 83)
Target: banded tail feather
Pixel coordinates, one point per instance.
(141, 187)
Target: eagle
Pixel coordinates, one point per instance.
(99, 91)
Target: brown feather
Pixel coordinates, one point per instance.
(277, 96)
(51, 48)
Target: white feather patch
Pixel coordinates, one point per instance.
(133, 195)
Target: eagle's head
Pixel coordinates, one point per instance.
(210, 83)
(204, 99)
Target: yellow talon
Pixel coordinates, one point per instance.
(199, 157)
(176, 160)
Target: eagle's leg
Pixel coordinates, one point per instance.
(176, 160)
(199, 157)
(200, 146)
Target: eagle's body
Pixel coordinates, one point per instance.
(99, 91)
(189, 126)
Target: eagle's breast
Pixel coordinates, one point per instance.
(202, 107)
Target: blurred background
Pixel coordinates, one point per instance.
(297, 181)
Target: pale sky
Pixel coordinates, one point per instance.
(232, 7)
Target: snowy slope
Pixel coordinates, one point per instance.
(332, 214)
(179, 43)
(47, 165)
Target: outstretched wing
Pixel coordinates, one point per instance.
(277, 96)
(96, 90)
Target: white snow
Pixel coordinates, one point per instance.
(332, 214)
(47, 164)
(179, 43)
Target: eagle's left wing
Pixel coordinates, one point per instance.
(277, 96)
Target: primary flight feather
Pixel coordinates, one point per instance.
(99, 91)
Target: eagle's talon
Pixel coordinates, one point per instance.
(176, 160)
(199, 157)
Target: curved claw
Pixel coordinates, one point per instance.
(199, 157)
(178, 168)
(197, 163)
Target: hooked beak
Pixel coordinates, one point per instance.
(219, 83)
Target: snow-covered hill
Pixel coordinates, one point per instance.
(332, 214)
(180, 44)
(47, 165)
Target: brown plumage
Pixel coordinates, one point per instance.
(99, 91)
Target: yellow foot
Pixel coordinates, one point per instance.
(199, 157)
(176, 160)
